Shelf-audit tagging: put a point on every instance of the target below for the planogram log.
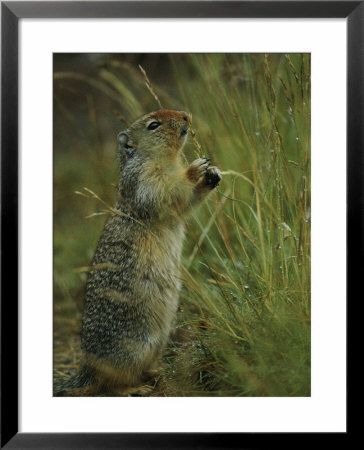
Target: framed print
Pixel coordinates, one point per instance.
(157, 197)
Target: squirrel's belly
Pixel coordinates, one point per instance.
(132, 296)
(159, 261)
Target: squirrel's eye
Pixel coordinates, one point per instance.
(153, 125)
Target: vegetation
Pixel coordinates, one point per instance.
(243, 326)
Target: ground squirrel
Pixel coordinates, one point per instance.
(134, 281)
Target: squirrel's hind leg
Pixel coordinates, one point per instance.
(154, 370)
(133, 390)
(121, 381)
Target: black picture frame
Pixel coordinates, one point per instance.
(11, 12)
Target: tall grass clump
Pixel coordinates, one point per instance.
(243, 325)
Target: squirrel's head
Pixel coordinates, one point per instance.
(159, 133)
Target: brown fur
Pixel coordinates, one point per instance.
(134, 282)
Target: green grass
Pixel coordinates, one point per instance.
(244, 322)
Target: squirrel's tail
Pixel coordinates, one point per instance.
(80, 380)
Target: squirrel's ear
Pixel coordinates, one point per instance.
(125, 143)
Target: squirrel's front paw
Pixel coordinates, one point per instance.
(197, 169)
(212, 177)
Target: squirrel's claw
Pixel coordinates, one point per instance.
(197, 169)
(212, 177)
